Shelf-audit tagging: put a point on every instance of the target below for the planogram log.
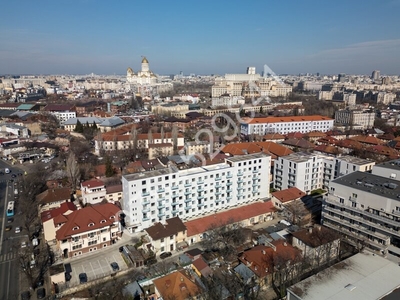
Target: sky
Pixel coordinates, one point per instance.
(201, 37)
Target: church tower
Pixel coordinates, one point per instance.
(145, 65)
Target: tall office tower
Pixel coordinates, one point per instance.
(376, 75)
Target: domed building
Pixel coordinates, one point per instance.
(145, 76)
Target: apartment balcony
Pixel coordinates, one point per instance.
(200, 189)
(175, 211)
(174, 187)
(161, 206)
(240, 180)
(187, 192)
(359, 227)
(381, 219)
(146, 219)
(217, 200)
(240, 194)
(218, 193)
(218, 185)
(144, 194)
(364, 220)
(229, 198)
(200, 197)
(161, 190)
(188, 200)
(188, 207)
(218, 178)
(357, 236)
(239, 188)
(200, 182)
(161, 214)
(146, 210)
(200, 205)
(240, 174)
(229, 183)
(229, 190)
(255, 184)
(255, 171)
(188, 184)
(229, 176)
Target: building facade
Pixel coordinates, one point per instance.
(366, 208)
(155, 196)
(309, 172)
(284, 125)
(351, 118)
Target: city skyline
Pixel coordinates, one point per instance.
(87, 36)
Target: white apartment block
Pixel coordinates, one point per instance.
(155, 196)
(226, 100)
(385, 98)
(284, 125)
(309, 172)
(366, 208)
(349, 118)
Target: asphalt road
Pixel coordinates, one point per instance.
(10, 241)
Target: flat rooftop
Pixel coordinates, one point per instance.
(149, 174)
(362, 276)
(247, 157)
(374, 184)
(355, 160)
(391, 165)
(300, 157)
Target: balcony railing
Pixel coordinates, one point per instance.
(144, 194)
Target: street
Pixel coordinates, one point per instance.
(9, 240)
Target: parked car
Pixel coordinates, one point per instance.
(8, 228)
(17, 229)
(10, 220)
(114, 266)
(41, 293)
(82, 278)
(23, 245)
(165, 255)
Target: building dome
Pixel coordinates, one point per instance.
(144, 60)
(130, 71)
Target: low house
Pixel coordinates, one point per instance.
(166, 237)
(290, 202)
(88, 229)
(53, 198)
(265, 261)
(93, 191)
(319, 245)
(114, 193)
(179, 285)
(201, 268)
(161, 149)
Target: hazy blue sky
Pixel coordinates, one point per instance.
(202, 37)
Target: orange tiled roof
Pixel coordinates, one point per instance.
(290, 194)
(367, 139)
(287, 119)
(177, 286)
(201, 225)
(102, 215)
(261, 259)
(257, 147)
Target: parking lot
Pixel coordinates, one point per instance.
(96, 266)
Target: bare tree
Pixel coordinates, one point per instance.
(72, 169)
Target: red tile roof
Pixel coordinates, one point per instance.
(172, 226)
(257, 147)
(54, 195)
(262, 259)
(92, 183)
(367, 139)
(50, 214)
(177, 285)
(290, 194)
(202, 266)
(87, 219)
(201, 225)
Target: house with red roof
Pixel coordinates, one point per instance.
(47, 217)
(280, 198)
(251, 214)
(93, 191)
(87, 229)
(265, 261)
(53, 198)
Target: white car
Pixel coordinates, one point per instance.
(17, 229)
(23, 245)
